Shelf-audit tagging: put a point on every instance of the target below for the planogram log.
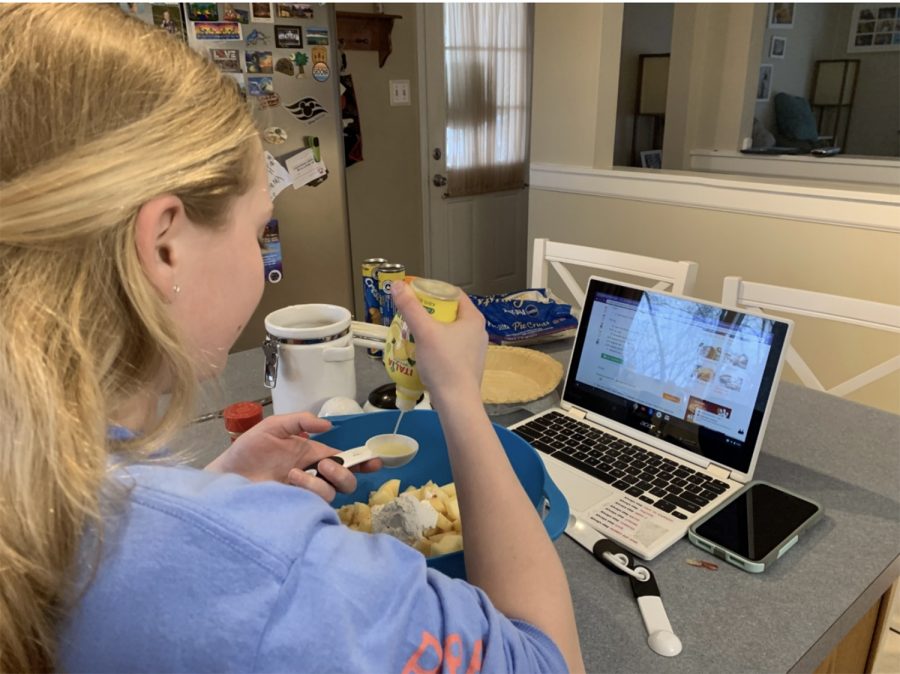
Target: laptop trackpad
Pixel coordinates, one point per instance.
(580, 491)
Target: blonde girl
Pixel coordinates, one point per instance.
(132, 195)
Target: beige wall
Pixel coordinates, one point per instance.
(575, 82)
(827, 258)
(384, 197)
(808, 40)
(715, 47)
(646, 29)
(840, 260)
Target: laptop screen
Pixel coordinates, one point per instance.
(694, 374)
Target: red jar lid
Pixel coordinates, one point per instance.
(242, 416)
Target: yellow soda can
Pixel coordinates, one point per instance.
(371, 301)
(439, 299)
(385, 276)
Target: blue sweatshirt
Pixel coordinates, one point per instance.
(204, 572)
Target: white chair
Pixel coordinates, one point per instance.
(678, 277)
(739, 293)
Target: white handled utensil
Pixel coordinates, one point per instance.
(660, 637)
(392, 448)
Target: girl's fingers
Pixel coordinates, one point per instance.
(369, 466)
(298, 423)
(341, 478)
(304, 480)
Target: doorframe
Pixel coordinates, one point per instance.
(425, 156)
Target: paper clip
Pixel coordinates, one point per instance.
(703, 564)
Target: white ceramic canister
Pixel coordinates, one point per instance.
(309, 356)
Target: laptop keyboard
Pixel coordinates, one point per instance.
(661, 482)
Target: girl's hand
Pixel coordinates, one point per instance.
(449, 356)
(279, 448)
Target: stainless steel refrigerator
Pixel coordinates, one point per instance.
(288, 64)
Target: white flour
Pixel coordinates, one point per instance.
(405, 518)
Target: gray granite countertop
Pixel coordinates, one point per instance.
(844, 455)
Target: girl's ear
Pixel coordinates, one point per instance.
(159, 224)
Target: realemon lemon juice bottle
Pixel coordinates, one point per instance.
(441, 300)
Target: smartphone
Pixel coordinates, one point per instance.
(756, 526)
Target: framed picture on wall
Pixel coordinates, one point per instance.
(777, 47)
(874, 28)
(781, 15)
(651, 159)
(764, 87)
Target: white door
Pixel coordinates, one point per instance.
(476, 242)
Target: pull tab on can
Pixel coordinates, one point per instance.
(270, 349)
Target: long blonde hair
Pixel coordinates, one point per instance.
(99, 113)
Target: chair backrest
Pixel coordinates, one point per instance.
(678, 277)
(739, 293)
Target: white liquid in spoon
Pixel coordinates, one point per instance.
(394, 449)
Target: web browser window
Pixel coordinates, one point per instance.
(691, 373)
(677, 357)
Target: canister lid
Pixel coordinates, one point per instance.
(437, 289)
(242, 416)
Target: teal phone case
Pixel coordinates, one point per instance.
(753, 566)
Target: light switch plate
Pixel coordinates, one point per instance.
(399, 92)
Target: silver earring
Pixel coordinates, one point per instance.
(176, 288)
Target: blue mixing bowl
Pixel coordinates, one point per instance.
(432, 463)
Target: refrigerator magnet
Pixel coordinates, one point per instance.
(217, 30)
(278, 177)
(271, 247)
(288, 37)
(169, 18)
(228, 60)
(284, 66)
(232, 13)
(293, 11)
(258, 61)
(261, 12)
(303, 167)
(317, 36)
(319, 54)
(306, 109)
(312, 142)
(320, 72)
(255, 37)
(203, 11)
(300, 60)
(268, 101)
(260, 86)
(275, 135)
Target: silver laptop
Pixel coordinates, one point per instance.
(664, 407)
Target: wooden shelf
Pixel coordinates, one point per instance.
(366, 32)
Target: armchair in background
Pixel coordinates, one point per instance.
(796, 124)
